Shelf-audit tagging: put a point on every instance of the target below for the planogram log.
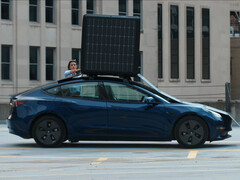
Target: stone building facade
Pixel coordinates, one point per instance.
(185, 45)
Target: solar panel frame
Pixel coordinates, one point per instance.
(110, 45)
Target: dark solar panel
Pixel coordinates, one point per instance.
(110, 45)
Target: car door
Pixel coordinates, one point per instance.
(85, 110)
(130, 117)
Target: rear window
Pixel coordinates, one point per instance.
(83, 90)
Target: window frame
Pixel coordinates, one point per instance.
(138, 14)
(206, 58)
(37, 64)
(98, 85)
(36, 13)
(174, 51)
(90, 11)
(110, 98)
(52, 12)
(160, 43)
(9, 14)
(79, 56)
(125, 5)
(9, 63)
(50, 64)
(190, 62)
(78, 12)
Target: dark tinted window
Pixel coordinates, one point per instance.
(5, 9)
(190, 44)
(49, 11)
(33, 62)
(160, 69)
(76, 54)
(137, 10)
(75, 12)
(6, 62)
(174, 43)
(122, 5)
(90, 6)
(50, 63)
(205, 44)
(33, 10)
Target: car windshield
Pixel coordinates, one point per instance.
(163, 95)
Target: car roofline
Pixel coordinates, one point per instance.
(119, 79)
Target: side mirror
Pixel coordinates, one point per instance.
(150, 100)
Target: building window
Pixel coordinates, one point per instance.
(76, 54)
(50, 59)
(6, 9)
(205, 44)
(122, 5)
(49, 11)
(6, 62)
(75, 12)
(137, 9)
(174, 43)
(33, 10)
(90, 6)
(234, 24)
(160, 63)
(190, 44)
(34, 63)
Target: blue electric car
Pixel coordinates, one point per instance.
(116, 109)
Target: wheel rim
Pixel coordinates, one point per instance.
(191, 132)
(48, 132)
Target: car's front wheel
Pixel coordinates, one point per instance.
(49, 131)
(191, 132)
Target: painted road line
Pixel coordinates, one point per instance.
(99, 161)
(192, 154)
(56, 169)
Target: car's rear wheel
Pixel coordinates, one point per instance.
(191, 132)
(49, 131)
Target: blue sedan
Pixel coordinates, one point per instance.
(107, 108)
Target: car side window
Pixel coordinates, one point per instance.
(84, 90)
(124, 93)
(54, 91)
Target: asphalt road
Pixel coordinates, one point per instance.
(23, 159)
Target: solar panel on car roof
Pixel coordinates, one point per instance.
(110, 45)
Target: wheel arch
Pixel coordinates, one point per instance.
(184, 116)
(47, 114)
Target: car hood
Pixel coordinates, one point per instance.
(206, 107)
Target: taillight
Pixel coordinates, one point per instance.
(15, 103)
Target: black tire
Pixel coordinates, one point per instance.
(49, 131)
(191, 132)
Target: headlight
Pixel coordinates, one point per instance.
(215, 114)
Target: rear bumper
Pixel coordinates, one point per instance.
(14, 128)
